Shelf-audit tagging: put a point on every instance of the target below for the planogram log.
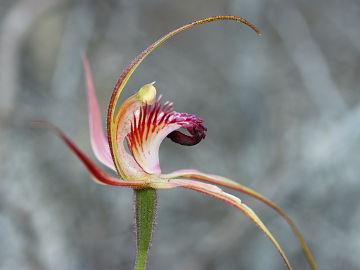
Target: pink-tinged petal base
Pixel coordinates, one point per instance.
(124, 162)
(222, 181)
(96, 173)
(99, 143)
(216, 192)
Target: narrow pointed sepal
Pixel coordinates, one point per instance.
(99, 143)
(145, 221)
(96, 173)
(234, 201)
(222, 181)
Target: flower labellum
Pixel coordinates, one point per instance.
(143, 122)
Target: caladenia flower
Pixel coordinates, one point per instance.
(144, 122)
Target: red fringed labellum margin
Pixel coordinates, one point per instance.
(152, 124)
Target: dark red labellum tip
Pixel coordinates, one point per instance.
(197, 134)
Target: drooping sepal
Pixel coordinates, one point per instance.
(217, 193)
(222, 181)
(95, 172)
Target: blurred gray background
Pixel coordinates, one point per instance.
(282, 112)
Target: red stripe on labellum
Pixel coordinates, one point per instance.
(154, 118)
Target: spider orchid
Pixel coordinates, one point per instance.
(143, 122)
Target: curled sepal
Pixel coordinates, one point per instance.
(99, 143)
(111, 123)
(232, 200)
(96, 173)
(222, 181)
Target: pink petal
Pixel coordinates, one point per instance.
(219, 180)
(232, 200)
(99, 143)
(96, 173)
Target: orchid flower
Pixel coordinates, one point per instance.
(144, 122)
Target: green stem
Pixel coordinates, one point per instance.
(145, 215)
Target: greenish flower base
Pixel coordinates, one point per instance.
(145, 215)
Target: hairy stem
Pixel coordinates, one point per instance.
(145, 215)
